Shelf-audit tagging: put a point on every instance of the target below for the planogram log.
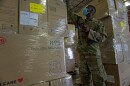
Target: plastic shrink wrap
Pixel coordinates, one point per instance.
(118, 74)
(39, 16)
(70, 49)
(9, 16)
(115, 50)
(116, 45)
(57, 18)
(29, 55)
(31, 59)
(65, 81)
(33, 17)
(41, 84)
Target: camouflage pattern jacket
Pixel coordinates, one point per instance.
(88, 43)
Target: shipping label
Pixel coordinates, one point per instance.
(36, 8)
(27, 18)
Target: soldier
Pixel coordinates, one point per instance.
(90, 35)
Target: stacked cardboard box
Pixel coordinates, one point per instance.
(115, 50)
(57, 18)
(70, 49)
(9, 16)
(31, 58)
(108, 7)
(104, 8)
(65, 81)
(33, 17)
(29, 54)
(116, 44)
(38, 17)
(41, 84)
(118, 74)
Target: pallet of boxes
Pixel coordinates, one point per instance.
(115, 50)
(70, 49)
(32, 43)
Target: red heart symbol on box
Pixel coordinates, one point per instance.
(20, 80)
(2, 40)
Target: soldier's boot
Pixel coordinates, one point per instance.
(86, 81)
(80, 83)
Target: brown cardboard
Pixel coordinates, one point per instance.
(70, 49)
(66, 81)
(70, 65)
(41, 84)
(118, 74)
(112, 50)
(57, 18)
(102, 9)
(9, 16)
(28, 59)
(115, 49)
(39, 19)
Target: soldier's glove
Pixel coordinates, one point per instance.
(85, 29)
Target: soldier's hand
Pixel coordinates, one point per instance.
(85, 28)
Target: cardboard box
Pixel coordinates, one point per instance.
(66, 81)
(57, 18)
(70, 65)
(33, 17)
(70, 39)
(71, 30)
(118, 74)
(115, 48)
(28, 59)
(120, 6)
(41, 84)
(9, 16)
(101, 11)
(70, 49)
(111, 50)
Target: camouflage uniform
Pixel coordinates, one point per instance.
(91, 67)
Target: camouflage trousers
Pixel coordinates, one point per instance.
(92, 72)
